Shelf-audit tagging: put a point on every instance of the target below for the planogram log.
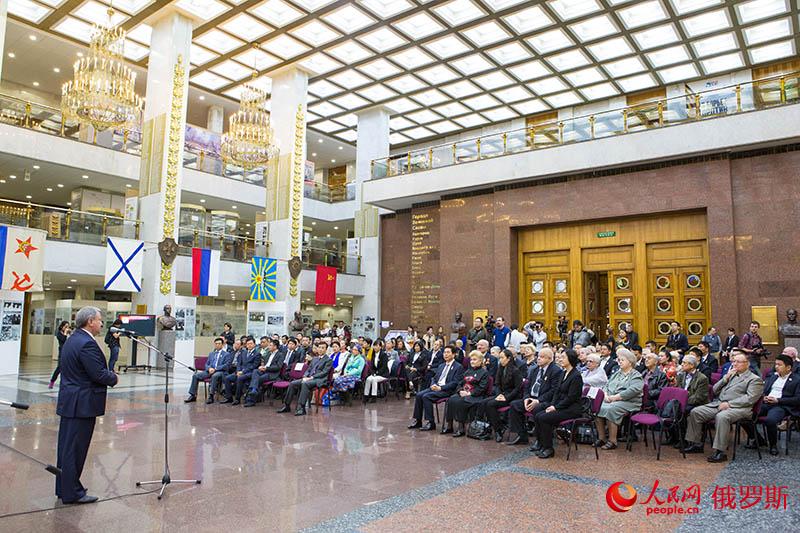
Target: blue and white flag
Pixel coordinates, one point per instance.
(124, 258)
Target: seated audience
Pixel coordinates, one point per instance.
(608, 360)
(216, 366)
(416, 367)
(708, 361)
(269, 370)
(508, 385)
(736, 393)
(542, 383)
(654, 378)
(379, 372)
(594, 375)
(623, 396)
(351, 373)
(293, 354)
(470, 393)
(527, 359)
(251, 360)
(639, 355)
(444, 382)
(695, 384)
(490, 357)
(566, 404)
(316, 375)
(338, 357)
(781, 400)
(668, 362)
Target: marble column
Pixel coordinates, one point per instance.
(161, 170)
(284, 199)
(372, 143)
(216, 119)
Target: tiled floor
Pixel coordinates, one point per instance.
(352, 469)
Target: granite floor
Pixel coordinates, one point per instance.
(354, 469)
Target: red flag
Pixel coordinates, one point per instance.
(326, 285)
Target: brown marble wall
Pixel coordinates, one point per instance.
(766, 195)
(395, 269)
(752, 207)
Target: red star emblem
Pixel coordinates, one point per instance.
(25, 247)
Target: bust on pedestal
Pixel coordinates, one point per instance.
(789, 331)
(165, 337)
(458, 330)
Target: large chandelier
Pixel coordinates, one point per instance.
(103, 92)
(249, 140)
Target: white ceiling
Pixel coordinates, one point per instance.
(445, 65)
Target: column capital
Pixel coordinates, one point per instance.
(373, 109)
(290, 69)
(170, 10)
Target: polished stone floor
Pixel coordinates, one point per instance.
(351, 469)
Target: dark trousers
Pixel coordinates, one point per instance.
(547, 422)
(516, 418)
(490, 408)
(774, 414)
(413, 377)
(259, 378)
(74, 438)
(461, 409)
(240, 381)
(303, 389)
(423, 403)
(112, 358)
(201, 375)
(57, 371)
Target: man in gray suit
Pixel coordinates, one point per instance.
(315, 376)
(735, 395)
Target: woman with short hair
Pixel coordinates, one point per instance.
(623, 396)
(594, 375)
(509, 382)
(468, 396)
(566, 404)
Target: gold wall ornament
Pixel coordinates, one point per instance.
(297, 187)
(102, 92)
(173, 157)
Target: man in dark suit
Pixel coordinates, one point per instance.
(444, 383)
(731, 342)
(781, 399)
(695, 383)
(217, 366)
(316, 375)
(81, 399)
(435, 360)
(677, 341)
(244, 373)
(608, 360)
(270, 370)
(708, 362)
(543, 381)
(293, 354)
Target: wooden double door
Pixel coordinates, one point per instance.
(644, 277)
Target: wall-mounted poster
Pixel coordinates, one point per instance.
(185, 331)
(37, 322)
(275, 324)
(256, 322)
(11, 321)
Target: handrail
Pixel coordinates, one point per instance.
(215, 235)
(553, 133)
(67, 210)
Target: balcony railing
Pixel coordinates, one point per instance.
(329, 193)
(718, 102)
(344, 263)
(69, 225)
(231, 247)
(201, 147)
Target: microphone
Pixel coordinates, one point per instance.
(15, 405)
(123, 331)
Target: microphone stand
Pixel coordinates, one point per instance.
(50, 468)
(165, 479)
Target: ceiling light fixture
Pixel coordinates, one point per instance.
(12, 55)
(103, 89)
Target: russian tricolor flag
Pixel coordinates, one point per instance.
(205, 272)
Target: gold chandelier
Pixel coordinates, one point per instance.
(103, 91)
(249, 141)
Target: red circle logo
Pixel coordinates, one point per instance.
(618, 501)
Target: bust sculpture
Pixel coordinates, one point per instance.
(167, 322)
(296, 325)
(458, 330)
(790, 330)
